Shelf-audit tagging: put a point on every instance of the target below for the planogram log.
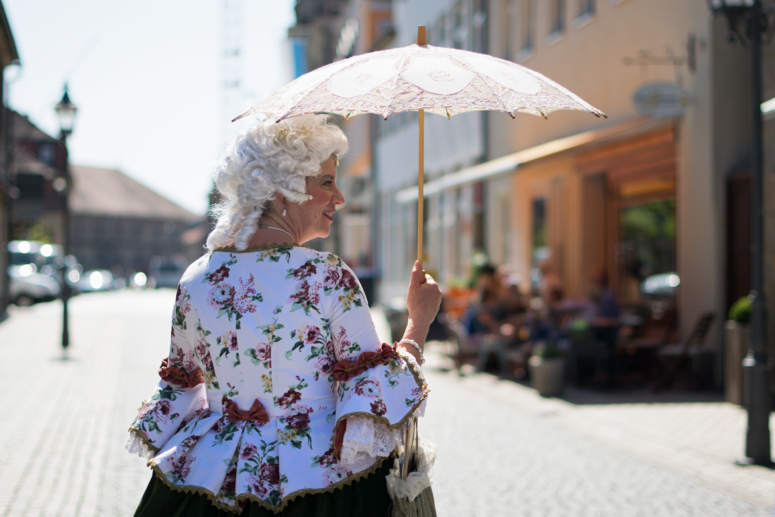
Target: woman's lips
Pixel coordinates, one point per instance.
(328, 215)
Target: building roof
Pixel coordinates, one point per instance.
(25, 162)
(110, 192)
(8, 51)
(23, 129)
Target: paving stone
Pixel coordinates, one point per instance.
(503, 450)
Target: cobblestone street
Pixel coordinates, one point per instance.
(503, 451)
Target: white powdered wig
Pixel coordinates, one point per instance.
(264, 160)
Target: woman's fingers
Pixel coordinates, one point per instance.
(418, 275)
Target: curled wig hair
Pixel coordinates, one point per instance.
(264, 160)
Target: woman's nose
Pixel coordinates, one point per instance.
(338, 197)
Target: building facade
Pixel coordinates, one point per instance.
(455, 223)
(120, 224)
(644, 192)
(8, 55)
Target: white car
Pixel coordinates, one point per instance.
(27, 288)
(96, 280)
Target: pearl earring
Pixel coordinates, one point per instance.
(285, 210)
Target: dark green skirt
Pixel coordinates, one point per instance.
(365, 497)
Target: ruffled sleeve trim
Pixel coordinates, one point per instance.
(366, 439)
(138, 443)
(179, 376)
(345, 370)
(419, 378)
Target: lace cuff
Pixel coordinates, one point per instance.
(136, 445)
(366, 439)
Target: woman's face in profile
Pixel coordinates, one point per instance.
(317, 214)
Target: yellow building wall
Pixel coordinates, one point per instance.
(590, 61)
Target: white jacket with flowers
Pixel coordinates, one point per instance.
(248, 399)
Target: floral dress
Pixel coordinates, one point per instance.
(273, 352)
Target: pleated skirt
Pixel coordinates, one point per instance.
(366, 497)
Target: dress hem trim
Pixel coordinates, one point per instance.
(235, 508)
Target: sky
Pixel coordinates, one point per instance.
(146, 77)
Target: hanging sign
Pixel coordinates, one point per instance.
(661, 100)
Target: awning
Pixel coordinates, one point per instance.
(506, 164)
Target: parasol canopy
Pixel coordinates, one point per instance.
(420, 78)
(438, 80)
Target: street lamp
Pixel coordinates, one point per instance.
(756, 21)
(65, 111)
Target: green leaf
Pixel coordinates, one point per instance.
(296, 443)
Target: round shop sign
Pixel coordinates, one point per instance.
(661, 100)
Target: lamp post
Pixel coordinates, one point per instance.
(65, 111)
(756, 23)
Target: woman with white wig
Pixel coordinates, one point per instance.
(277, 396)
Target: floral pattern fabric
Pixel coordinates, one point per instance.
(264, 330)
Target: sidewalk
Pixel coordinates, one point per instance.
(699, 440)
(65, 422)
(503, 449)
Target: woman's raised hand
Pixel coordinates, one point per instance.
(422, 302)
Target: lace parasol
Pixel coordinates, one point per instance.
(420, 78)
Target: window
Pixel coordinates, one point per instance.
(586, 8)
(557, 17)
(512, 16)
(440, 33)
(526, 20)
(479, 26)
(47, 152)
(459, 29)
(647, 244)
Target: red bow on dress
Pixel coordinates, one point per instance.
(257, 413)
(178, 376)
(346, 370)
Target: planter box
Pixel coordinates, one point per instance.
(735, 348)
(547, 375)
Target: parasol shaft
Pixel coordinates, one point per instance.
(420, 181)
(421, 40)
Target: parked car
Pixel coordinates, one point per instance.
(28, 287)
(46, 259)
(96, 280)
(165, 273)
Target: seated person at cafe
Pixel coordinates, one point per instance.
(604, 316)
(483, 316)
(606, 309)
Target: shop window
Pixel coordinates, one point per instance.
(647, 243)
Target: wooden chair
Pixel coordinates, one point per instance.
(465, 347)
(461, 344)
(674, 356)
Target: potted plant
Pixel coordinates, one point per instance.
(735, 348)
(547, 369)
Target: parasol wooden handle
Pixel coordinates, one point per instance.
(421, 40)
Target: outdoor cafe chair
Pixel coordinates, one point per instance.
(674, 356)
